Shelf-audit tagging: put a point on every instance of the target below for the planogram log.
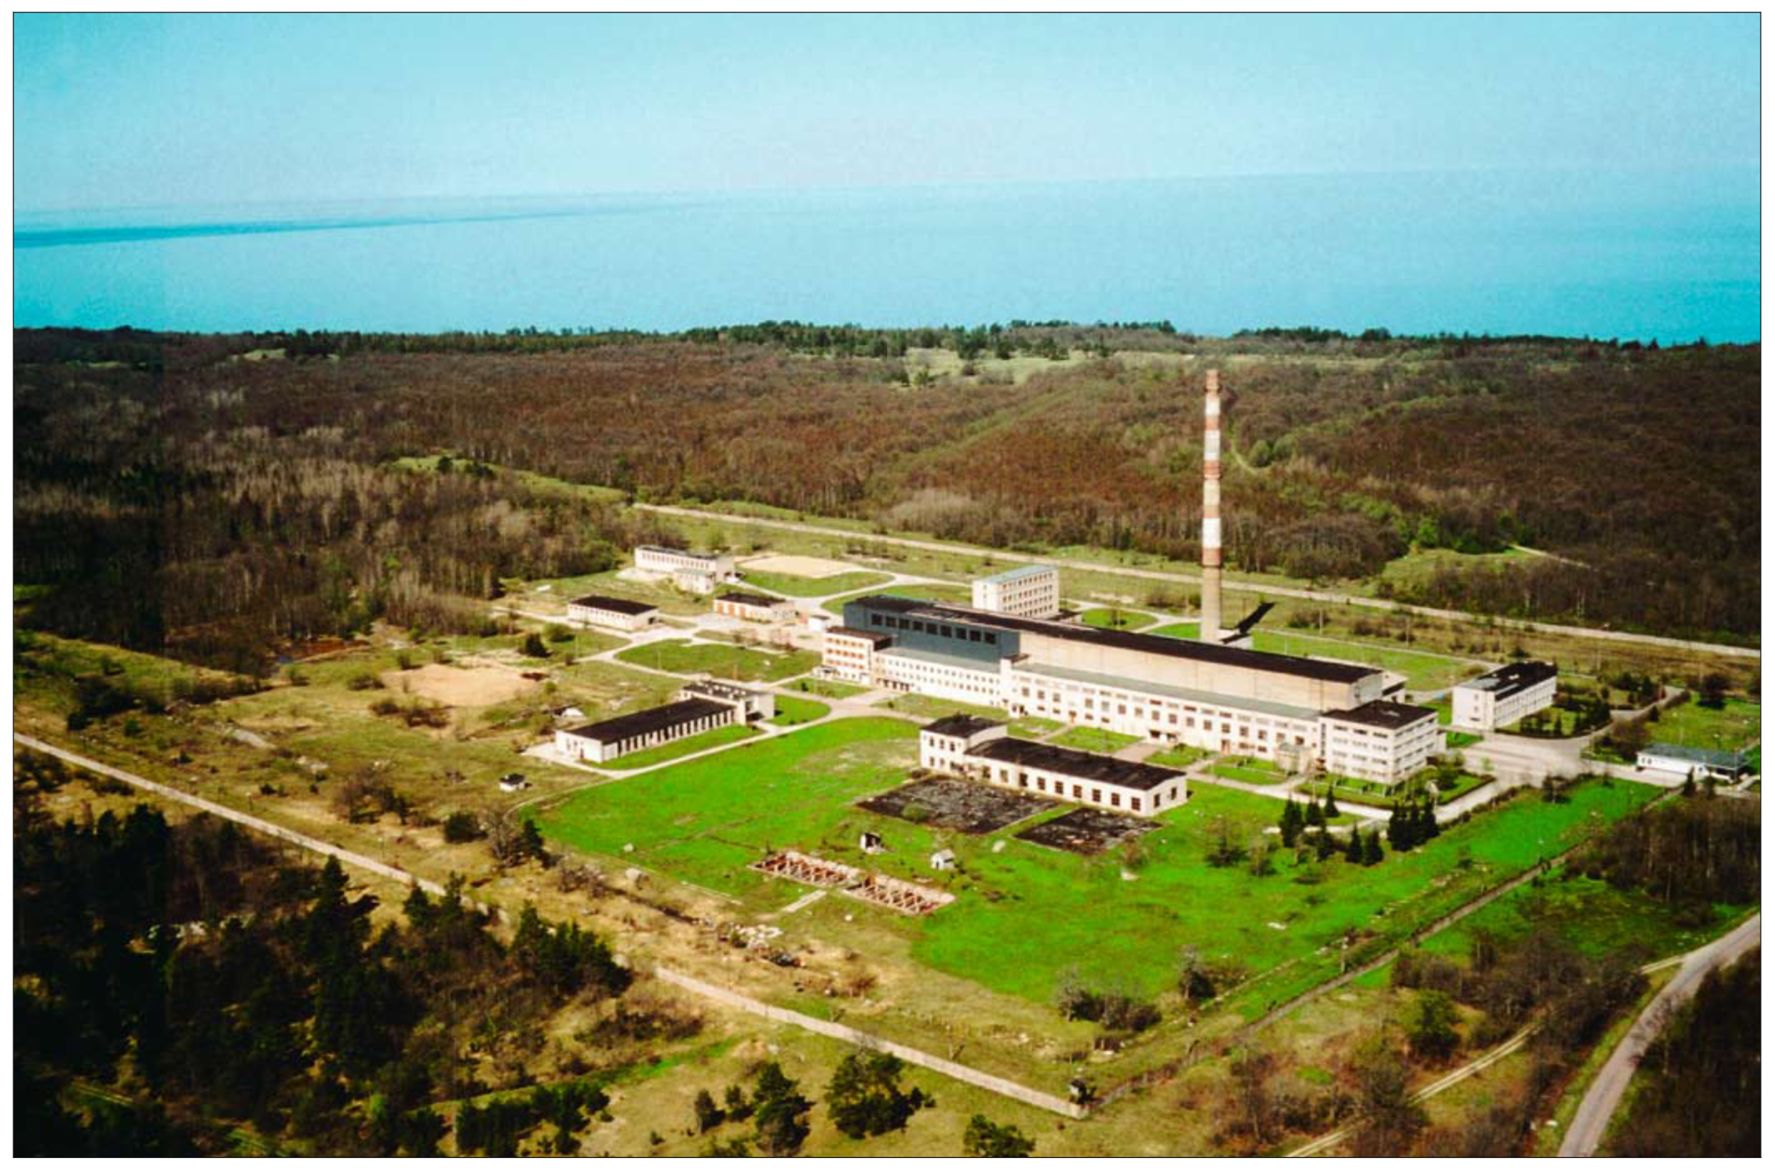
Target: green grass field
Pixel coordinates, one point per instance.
(1459, 740)
(673, 750)
(707, 820)
(930, 707)
(1116, 618)
(941, 592)
(1035, 728)
(1093, 740)
(1026, 914)
(1733, 727)
(729, 661)
(834, 689)
(809, 588)
(1253, 770)
(792, 710)
(1178, 630)
(1179, 757)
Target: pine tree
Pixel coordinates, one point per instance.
(1291, 823)
(1398, 830)
(1353, 848)
(1315, 814)
(1371, 849)
(1330, 805)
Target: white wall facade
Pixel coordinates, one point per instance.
(591, 749)
(1032, 592)
(1379, 754)
(616, 620)
(1481, 709)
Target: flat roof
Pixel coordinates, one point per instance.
(650, 720)
(680, 553)
(749, 599)
(612, 603)
(722, 688)
(1076, 763)
(1183, 649)
(943, 659)
(1193, 695)
(879, 638)
(1017, 572)
(1512, 678)
(1382, 715)
(960, 725)
(1723, 758)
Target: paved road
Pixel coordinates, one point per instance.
(1228, 583)
(1591, 1121)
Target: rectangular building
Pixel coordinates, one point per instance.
(1503, 696)
(1381, 741)
(688, 569)
(1029, 591)
(971, 747)
(750, 704)
(1721, 765)
(607, 611)
(605, 740)
(849, 654)
(754, 608)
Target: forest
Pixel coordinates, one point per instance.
(223, 496)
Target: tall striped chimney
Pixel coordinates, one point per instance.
(1210, 624)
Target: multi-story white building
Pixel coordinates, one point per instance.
(607, 611)
(1381, 741)
(1503, 696)
(1029, 591)
(977, 748)
(689, 570)
(849, 654)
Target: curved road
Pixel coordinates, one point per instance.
(1231, 584)
(1591, 1121)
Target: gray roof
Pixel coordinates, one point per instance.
(1721, 759)
(612, 603)
(1075, 763)
(1017, 572)
(650, 720)
(960, 725)
(1382, 715)
(1512, 678)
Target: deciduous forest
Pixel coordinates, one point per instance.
(219, 496)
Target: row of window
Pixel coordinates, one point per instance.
(945, 630)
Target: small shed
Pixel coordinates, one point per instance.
(870, 843)
(942, 861)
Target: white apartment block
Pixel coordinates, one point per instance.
(849, 654)
(1381, 741)
(1030, 591)
(1503, 696)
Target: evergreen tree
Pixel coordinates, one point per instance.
(1330, 805)
(1353, 848)
(780, 1111)
(983, 1138)
(1398, 830)
(1315, 814)
(1371, 849)
(1291, 822)
(865, 1098)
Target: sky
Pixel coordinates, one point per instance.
(116, 111)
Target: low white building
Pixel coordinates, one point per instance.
(605, 740)
(1503, 696)
(754, 608)
(849, 654)
(1031, 591)
(750, 704)
(608, 611)
(688, 569)
(1381, 741)
(1718, 764)
(973, 747)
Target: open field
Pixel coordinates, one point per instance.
(1254, 770)
(1115, 618)
(801, 587)
(1178, 757)
(932, 708)
(1093, 740)
(793, 710)
(729, 661)
(834, 689)
(1735, 726)
(799, 566)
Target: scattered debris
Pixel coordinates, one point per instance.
(1086, 831)
(970, 807)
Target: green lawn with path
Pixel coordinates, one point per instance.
(930, 707)
(1254, 770)
(834, 689)
(1691, 723)
(798, 587)
(1179, 757)
(729, 661)
(793, 710)
(1115, 618)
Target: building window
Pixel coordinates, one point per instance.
(1096, 795)
(1115, 799)
(1133, 804)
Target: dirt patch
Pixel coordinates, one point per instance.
(971, 807)
(464, 685)
(799, 565)
(1087, 831)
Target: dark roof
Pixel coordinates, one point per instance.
(1382, 714)
(749, 599)
(960, 725)
(650, 720)
(1513, 678)
(1074, 763)
(1163, 645)
(858, 633)
(612, 603)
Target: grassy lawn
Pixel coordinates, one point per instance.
(1179, 756)
(729, 661)
(1035, 728)
(1550, 722)
(673, 750)
(1253, 770)
(43, 658)
(1094, 740)
(1733, 727)
(1460, 740)
(792, 710)
(1116, 618)
(1178, 630)
(941, 592)
(930, 707)
(707, 820)
(806, 588)
(1422, 670)
(561, 591)
(834, 689)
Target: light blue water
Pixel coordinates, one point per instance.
(1673, 256)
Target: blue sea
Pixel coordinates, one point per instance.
(1666, 255)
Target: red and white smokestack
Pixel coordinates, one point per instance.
(1210, 621)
